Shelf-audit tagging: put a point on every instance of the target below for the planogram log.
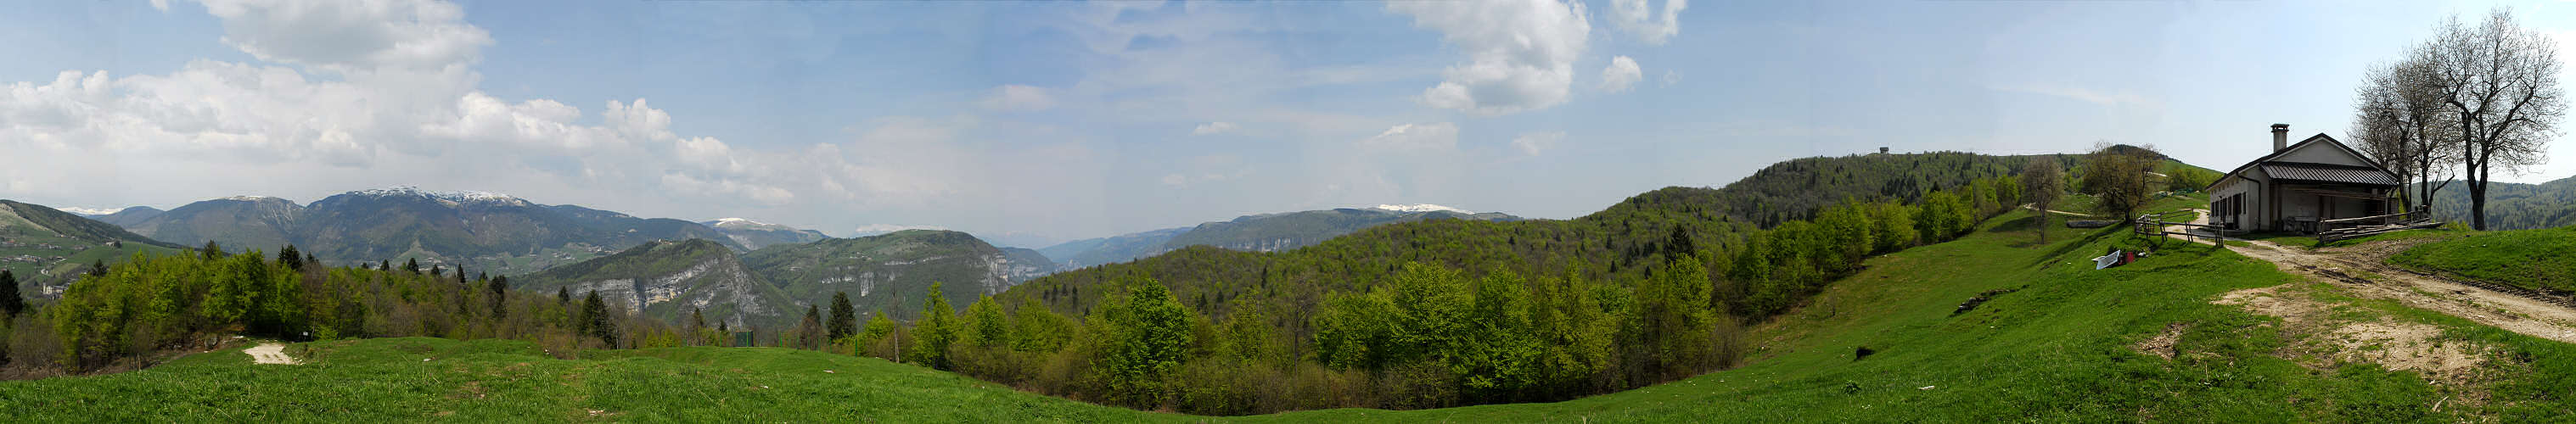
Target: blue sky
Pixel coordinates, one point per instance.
(1032, 122)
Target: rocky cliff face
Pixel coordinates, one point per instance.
(892, 272)
(670, 280)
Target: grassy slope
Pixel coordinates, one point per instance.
(2544, 258)
(508, 381)
(2057, 350)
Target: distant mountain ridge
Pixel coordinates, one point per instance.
(893, 271)
(1253, 233)
(670, 280)
(754, 235)
(484, 231)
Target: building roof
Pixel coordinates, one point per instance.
(2329, 173)
(2391, 177)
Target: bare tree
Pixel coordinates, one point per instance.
(2041, 183)
(2500, 81)
(2399, 119)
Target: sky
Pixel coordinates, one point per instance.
(1030, 123)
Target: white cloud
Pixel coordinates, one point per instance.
(1621, 75)
(1018, 98)
(1437, 136)
(1211, 128)
(1639, 18)
(1532, 143)
(1520, 52)
(349, 36)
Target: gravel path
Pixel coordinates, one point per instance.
(269, 353)
(2363, 271)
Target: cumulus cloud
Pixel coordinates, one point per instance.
(1018, 98)
(347, 36)
(1639, 18)
(1437, 136)
(1621, 75)
(1210, 128)
(1520, 53)
(1532, 143)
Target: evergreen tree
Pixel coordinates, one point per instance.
(596, 321)
(98, 268)
(1679, 244)
(563, 296)
(500, 294)
(212, 250)
(10, 303)
(293, 260)
(697, 318)
(845, 318)
(412, 265)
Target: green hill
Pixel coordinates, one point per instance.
(44, 247)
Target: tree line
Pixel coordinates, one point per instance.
(121, 317)
(2476, 98)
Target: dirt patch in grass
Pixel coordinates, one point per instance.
(2322, 336)
(2162, 345)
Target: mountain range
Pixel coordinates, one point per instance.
(891, 272)
(753, 235)
(486, 232)
(1252, 233)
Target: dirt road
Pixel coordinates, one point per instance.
(2363, 270)
(269, 353)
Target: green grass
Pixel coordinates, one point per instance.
(2543, 258)
(511, 381)
(2057, 350)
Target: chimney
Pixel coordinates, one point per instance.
(2280, 137)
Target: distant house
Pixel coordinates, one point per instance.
(2300, 184)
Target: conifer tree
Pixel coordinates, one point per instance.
(212, 250)
(10, 303)
(845, 318)
(597, 321)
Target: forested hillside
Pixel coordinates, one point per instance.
(1439, 312)
(2513, 206)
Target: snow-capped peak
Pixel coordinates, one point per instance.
(87, 211)
(466, 196)
(247, 198)
(738, 221)
(1421, 207)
